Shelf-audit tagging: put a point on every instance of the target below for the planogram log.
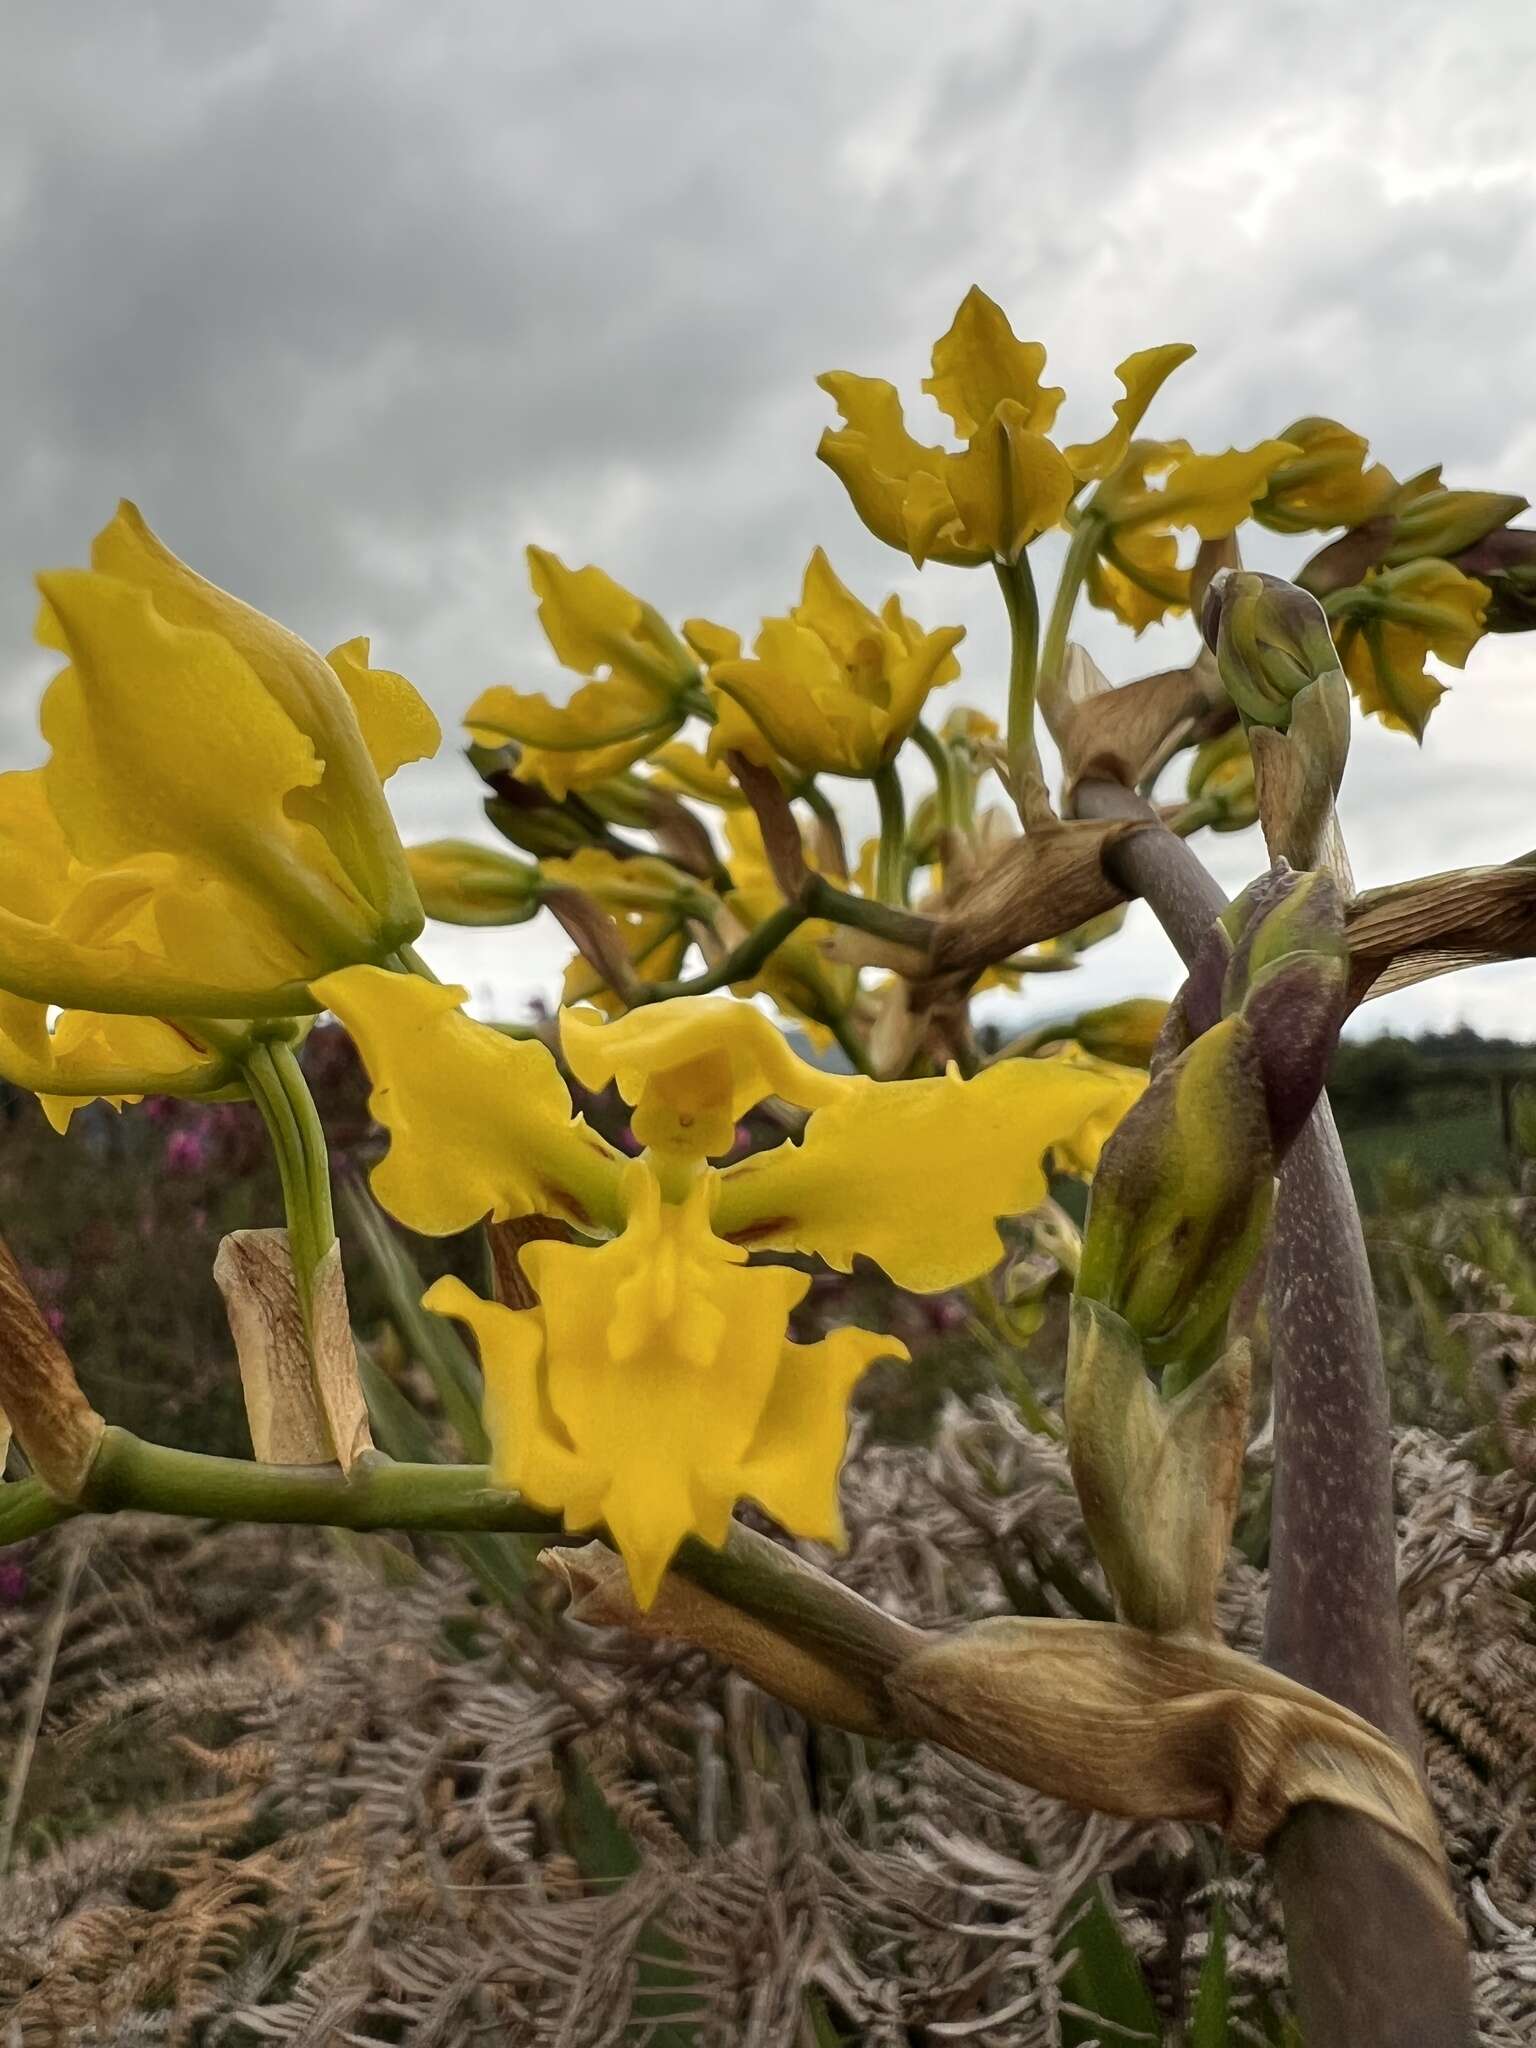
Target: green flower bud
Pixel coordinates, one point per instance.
(1270, 640)
(1442, 523)
(1182, 1198)
(461, 883)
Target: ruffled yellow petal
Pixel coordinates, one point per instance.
(397, 723)
(197, 874)
(879, 465)
(605, 728)
(1138, 578)
(86, 1055)
(1212, 494)
(479, 1124)
(462, 883)
(530, 1452)
(1325, 483)
(980, 363)
(346, 805)
(1142, 375)
(791, 1466)
(914, 1173)
(692, 1067)
(711, 643)
(1078, 1153)
(1388, 626)
(593, 623)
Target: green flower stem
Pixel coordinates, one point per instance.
(891, 863)
(413, 963)
(750, 1571)
(1017, 582)
(853, 1047)
(280, 1092)
(864, 914)
(944, 776)
(1199, 812)
(740, 964)
(1081, 550)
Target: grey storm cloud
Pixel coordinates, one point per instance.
(357, 297)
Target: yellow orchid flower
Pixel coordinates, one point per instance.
(462, 883)
(83, 1056)
(655, 1391)
(1325, 483)
(641, 673)
(834, 688)
(208, 832)
(653, 1387)
(1387, 626)
(1010, 483)
(982, 504)
(800, 976)
(1135, 570)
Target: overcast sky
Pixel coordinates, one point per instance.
(357, 297)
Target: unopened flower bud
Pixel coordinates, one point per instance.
(1270, 640)
(1182, 1198)
(1289, 979)
(461, 883)
(1443, 522)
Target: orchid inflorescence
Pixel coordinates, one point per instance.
(206, 862)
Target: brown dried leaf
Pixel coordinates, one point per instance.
(1158, 1727)
(1411, 931)
(302, 1409)
(1032, 888)
(54, 1423)
(1129, 734)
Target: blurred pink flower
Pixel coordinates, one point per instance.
(186, 1152)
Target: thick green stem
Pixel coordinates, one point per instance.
(1017, 583)
(891, 863)
(1356, 1917)
(740, 964)
(279, 1090)
(752, 1572)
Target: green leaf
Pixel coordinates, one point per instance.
(1208, 2026)
(1105, 1978)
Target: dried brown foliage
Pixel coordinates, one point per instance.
(299, 1792)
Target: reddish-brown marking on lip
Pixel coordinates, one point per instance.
(768, 1226)
(563, 1204)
